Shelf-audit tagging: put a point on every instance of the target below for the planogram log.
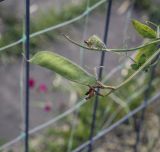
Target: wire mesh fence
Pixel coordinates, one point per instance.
(108, 125)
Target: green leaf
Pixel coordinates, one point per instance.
(134, 66)
(63, 66)
(144, 30)
(142, 59)
(143, 54)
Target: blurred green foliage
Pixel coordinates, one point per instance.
(151, 8)
(13, 27)
(142, 4)
(56, 138)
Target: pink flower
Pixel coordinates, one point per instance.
(42, 88)
(31, 83)
(48, 106)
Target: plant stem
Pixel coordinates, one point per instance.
(139, 70)
(112, 50)
(114, 88)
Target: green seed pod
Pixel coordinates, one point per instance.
(63, 67)
(144, 30)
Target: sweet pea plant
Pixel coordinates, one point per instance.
(146, 56)
(63, 133)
